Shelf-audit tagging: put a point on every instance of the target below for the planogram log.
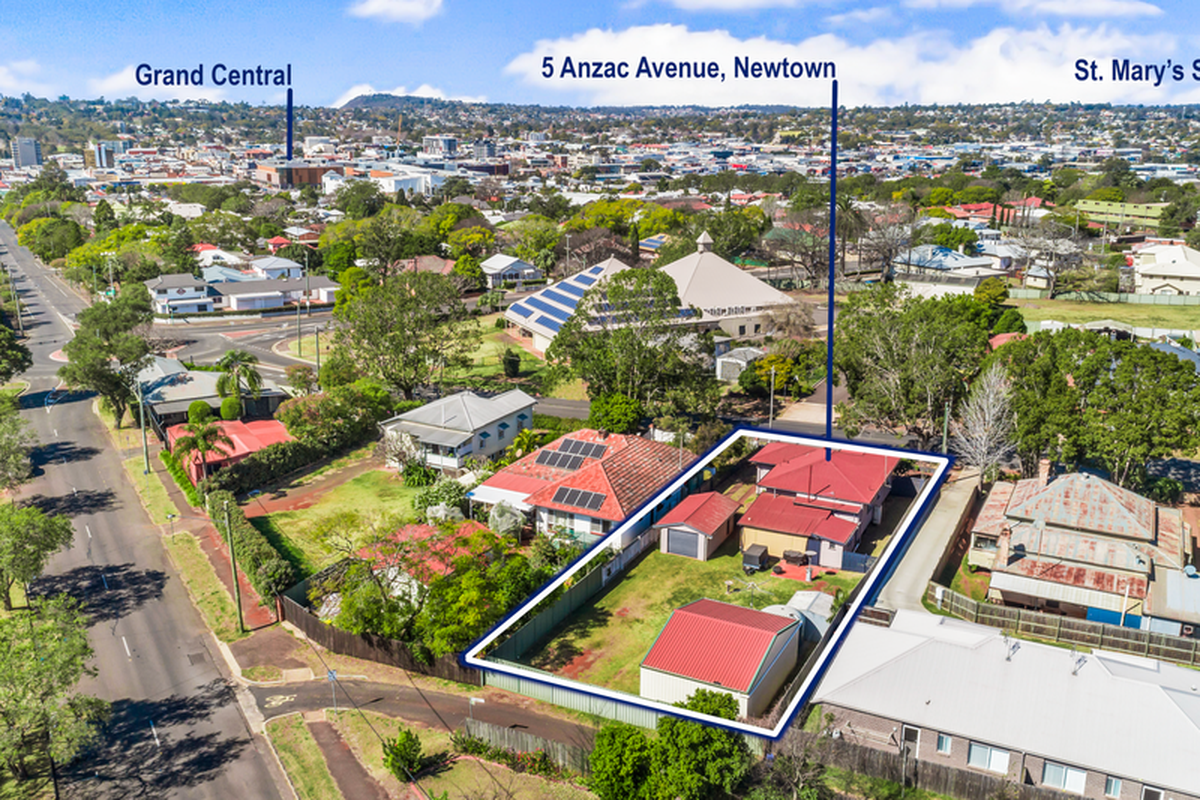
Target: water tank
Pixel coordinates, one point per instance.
(1190, 571)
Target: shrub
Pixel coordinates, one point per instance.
(444, 490)
(264, 467)
(401, 406)
(417, 474)
(180, 475)
(536, 762)
(266, 570)
(231, 409)
(499, 323)
(199, 412)
(616, 413)
(511, 362)
(402, 755)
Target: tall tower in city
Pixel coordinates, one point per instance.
(26, 152)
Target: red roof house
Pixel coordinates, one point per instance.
(276, 243)
(247, 437)
(721, 647)
(698, 525)
(806, 504)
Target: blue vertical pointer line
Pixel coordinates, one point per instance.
(289, 124)
(832, 255)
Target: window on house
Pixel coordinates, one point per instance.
(983, 756)
(741, 330)
(1112, 787)
(758, 328)
(943, 744)
(1149, 793)
(1060, 776)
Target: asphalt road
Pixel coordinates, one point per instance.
(176, 730)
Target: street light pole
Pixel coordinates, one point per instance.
(142, 416)
(237, 590)
(771, 413)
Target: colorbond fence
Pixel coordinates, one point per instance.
(1109, 297)
(1068, 630)
(939, 778)
(564, 755)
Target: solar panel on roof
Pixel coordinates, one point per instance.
(595, 270)
(584, 279)
(571, 288)
(572, 498)
(594, 502)
(578, 498)
(545, 456)
(553, 325)
(596, 450)
(561, 299)
(520, 309)
(553, 311)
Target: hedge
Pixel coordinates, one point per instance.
(267, 571)
(262, 468)
(181, 478)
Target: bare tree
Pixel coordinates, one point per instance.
(802, 241)
(984, 435)
(792, 320)
(1049, 245)
(892, 232)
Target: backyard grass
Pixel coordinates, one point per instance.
(604, 642)
(150, 488)
(302, 759)
(1136, 314)
(206, 589)
(295, 533)
(971, 583)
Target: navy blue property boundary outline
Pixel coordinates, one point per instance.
(868, 590)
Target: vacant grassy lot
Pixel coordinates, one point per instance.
(296, 533)
(605, 641)
(302, 759)
(1142, 316)
(465, 778)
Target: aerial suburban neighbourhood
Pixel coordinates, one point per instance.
(610, 430)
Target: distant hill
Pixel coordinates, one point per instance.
(406, 102)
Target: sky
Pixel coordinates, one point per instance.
(882, 54)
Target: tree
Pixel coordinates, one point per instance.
(231, 409)
(402, 754)
(27, 540)
(16, 441)
(534, 241)
(200, 440)
(43, 654)
(624, 338)
(950, 236)
(107, 351)
(238, 370)
(359, 199)
(199, 412)
(475, 241)
(1010, 321)
(616, 413)
(103, 218)
(407, 330)
(15, 357)
(691, 760)
(906, 358)
(302, 378)
(984, 434)
(178, 250)
(621, 761)
(468, 270)
(991, 291)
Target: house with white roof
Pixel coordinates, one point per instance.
(501, 269)
(1100, 725)
(274, 267)
(179, 294)
(447, 431)
(1167, 269)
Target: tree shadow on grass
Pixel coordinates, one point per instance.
(561, 646)
(132, 759)
(107, 592)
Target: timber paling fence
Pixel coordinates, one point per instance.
(372, 648)
(1068, 630)
(568, 756)
(927, 775)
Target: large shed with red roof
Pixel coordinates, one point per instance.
(698, 525)
(721, 647)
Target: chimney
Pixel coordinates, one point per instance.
(1043, 475)
(704, 243)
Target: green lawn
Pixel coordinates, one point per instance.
(605, 641)
(37, 787)
(1142, 316)
(302, 759)
(206, 589)
(295, 535)
(150, 488)
(972, 583)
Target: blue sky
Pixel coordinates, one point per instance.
(915, 51)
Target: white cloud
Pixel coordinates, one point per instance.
(860, 16)
(18, 77)
(124, 84)
(732, 5)
(1003, 65)
(424, 90)
(1064, 8)
(413, 11)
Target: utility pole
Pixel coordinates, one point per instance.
(771, 413)
(237, 590)
(299, 341)
(946, 429)
(142, 416)
(307, 290)
(317, 339)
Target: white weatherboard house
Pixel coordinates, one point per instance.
(179, 294)
(1167, 269)
(501, 268)
(446, 432)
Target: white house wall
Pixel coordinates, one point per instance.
(781, 660)
(673, 689)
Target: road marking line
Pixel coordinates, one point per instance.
(276, 700)
(74, 490)
(106, 586)
(152, 730)
(127, 651)
(89, 530)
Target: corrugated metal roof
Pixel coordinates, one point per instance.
(706, 512)
(848, 475)
(1057, 544)
(716, 643)
(991, 517)
(1115, 714)
(1088, 503)
(1099, 580)
(784, 515)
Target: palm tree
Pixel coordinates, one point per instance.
(850, 223)
(237, 368)
(202, 438)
